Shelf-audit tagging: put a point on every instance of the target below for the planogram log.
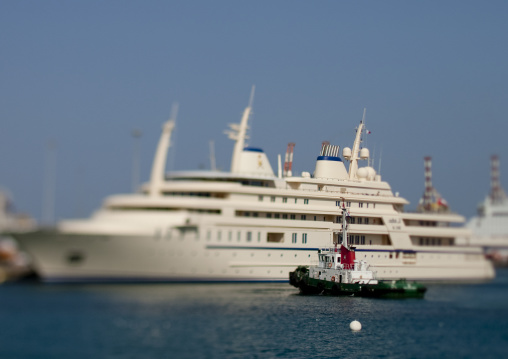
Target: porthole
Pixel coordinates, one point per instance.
(75, 258)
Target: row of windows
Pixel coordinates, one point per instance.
(188, 194)
(428, 223)
(354, 239)
(294, 238)
(168, 209)
(249, 237)
(358, 220)
(424, 241)
(360, 204)
(306, 201)
(303, 217)
(284, 199)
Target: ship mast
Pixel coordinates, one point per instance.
(238, 133)
(353, 164)
(159, 162)
(345, 214)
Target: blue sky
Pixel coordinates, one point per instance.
(433, 76)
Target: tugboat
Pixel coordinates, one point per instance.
(339, 273)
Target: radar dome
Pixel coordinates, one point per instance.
(362, 173)
(364, 153)
(346, 153)
(371, 173)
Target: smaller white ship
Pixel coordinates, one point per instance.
(490, 225)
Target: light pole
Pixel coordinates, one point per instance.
(49, 189)
(136, 135)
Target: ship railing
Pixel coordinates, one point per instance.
(343, 192)
(348, 266)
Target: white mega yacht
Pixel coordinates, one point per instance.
(251, 224)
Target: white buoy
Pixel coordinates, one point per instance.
(355, 326)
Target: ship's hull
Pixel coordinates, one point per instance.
(63, 257)
(301, 279)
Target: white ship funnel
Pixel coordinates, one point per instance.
(329, 164)
(253, 161)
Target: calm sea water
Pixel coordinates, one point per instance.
(249, 321)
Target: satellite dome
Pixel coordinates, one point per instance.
(346, 153)
(362, 173)
(371, 173)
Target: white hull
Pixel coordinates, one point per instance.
(79, 258)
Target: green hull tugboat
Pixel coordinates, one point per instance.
(301, 279)
(339, 273)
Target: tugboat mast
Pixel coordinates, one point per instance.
(345, 215)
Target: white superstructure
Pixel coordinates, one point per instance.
(490, 225)
(251, 225)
